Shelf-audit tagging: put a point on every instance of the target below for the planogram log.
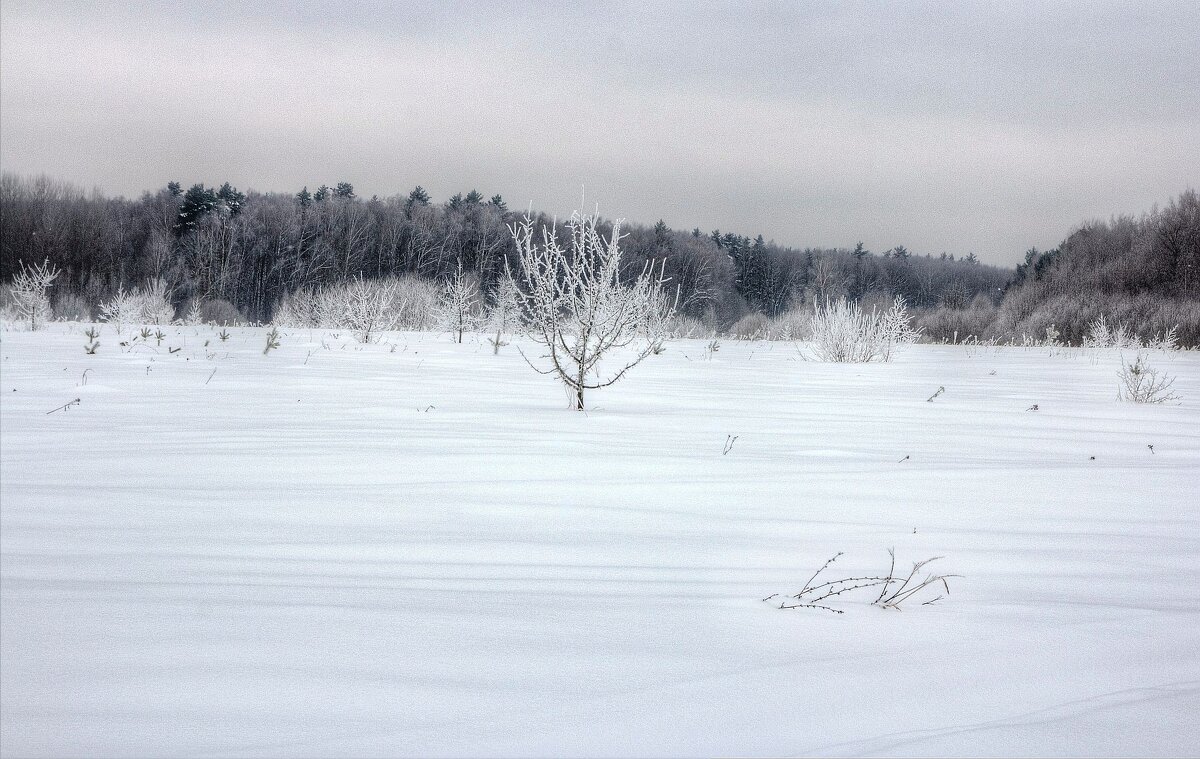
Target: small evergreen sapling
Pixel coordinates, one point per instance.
(272, 340)
(92, 334)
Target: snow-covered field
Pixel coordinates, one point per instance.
(415, 548)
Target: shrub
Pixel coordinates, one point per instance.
(125, 307)
(687, 327)
(222, 312)
(1140, 383)
(753, 326)
(842, 332)
(792, 325)
(407, 303)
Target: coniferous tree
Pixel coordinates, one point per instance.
(198, 201)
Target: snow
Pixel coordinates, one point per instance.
(415, 548)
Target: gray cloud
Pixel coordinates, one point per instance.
(952, 126)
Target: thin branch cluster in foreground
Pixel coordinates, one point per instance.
(895, 590)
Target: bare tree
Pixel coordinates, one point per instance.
(505, 313)
(460, 302)
(370, 307)
(125, 307)
(579, 310)
(29, 288)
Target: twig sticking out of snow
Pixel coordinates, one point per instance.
(64, 407)
(894, 590)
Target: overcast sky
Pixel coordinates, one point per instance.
(950, 126)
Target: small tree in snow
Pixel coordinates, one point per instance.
(156, 302)
(193, 315)
(460, 303)
(370, 307)
(1141, 383)
(578, 309)
(124, 308)
(29, 288)
(505, 313)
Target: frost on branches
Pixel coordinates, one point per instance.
(458, 311)
(842, 332)
(577, 307)
(29, 288)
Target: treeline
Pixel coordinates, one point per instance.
(1140, 272)
(240, 255)
(248, 251)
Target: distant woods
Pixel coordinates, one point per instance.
(249, 251)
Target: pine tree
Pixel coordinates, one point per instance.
(304, 197)
(322, 193)
(473, 198)
(344, 190)
(498, 202)
(175, 189)
(662, 237)
(198, 201)
(231, 199)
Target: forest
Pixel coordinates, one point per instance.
(236, 257)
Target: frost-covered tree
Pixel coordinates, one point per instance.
(577, 307)
(156, 307)
(370, 307)
(505, 314)
(29, 289)
(123, 308)
(460, 303)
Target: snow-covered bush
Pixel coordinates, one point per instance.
(1140, 383)
(125, 307)
(156, 302)
(144, 305)
(754, 326)
(418, 299)
(1103, 335)
(688, 327)
(30, 287)
(406, 303)
(842, 332)
(579, 310)
(791, 325)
